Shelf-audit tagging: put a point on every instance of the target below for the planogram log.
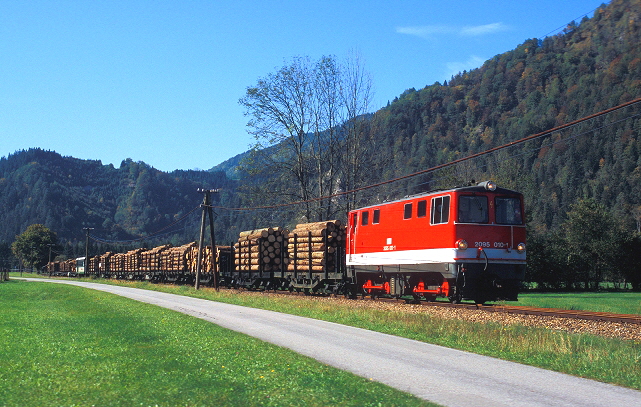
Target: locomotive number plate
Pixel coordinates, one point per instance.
(496, 245)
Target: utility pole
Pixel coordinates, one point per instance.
(207, 209)
(49, 264)
(87, 249)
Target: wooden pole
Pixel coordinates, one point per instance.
(213, 245)
(207, 210)
(202, 237)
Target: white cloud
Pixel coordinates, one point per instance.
(426, 31)
(483, 29)
(454, 68)
(431, 31)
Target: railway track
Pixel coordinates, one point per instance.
(517, 310)
(552, 312)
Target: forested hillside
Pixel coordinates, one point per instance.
(68, 194)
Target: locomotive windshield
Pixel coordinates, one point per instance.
(508, 211)
(472, 209)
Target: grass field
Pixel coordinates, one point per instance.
(69, 346)
(617, 302)
(608, 360)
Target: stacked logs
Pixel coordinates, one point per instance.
(179, 259)
(260, 249)
(68, 266)
(206, 262)
(104, 262)
(117, 263)
(206, 265)
(132, 260)
(313, 246)
(91, 266)
(151, 260)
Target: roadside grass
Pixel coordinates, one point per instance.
(604, 359)
(617, 302)
(69, 346)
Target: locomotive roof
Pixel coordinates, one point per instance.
(468, 189)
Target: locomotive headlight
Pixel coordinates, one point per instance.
(488, 185)
(461, 244)
(520, 247)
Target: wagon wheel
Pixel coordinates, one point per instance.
(456, 297)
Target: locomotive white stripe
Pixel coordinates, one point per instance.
(436, 256)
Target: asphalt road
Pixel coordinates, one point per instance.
(435, 373)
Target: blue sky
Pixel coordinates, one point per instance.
(159, 81)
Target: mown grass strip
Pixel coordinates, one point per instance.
(616, 302)
(65, 346)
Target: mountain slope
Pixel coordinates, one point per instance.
(67, 194)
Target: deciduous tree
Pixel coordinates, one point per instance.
(305, 121)
(32, 246)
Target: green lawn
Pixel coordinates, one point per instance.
(69, 346)
(617, 302)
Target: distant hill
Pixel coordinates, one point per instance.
(230, 166)
(67, 194)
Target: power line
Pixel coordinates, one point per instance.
(154, 235)
(565, 25)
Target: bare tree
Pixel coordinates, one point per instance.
(357, 95)
(305, 121)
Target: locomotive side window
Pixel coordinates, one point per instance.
(364, 218)
(407, 212)
(377, 216)
(472, 209)
(421, 209)
(440, 210)
(508, 211)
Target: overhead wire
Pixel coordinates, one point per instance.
(565, 25)
(153, 235)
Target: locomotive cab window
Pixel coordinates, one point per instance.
(407, 211)
(364, 218)
(377, 216)
(508, 211)
(472, 209)
(440, 210)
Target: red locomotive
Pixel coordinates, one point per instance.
(466, 243)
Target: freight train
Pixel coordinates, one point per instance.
(466, 243)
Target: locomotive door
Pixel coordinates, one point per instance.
(352, 235)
